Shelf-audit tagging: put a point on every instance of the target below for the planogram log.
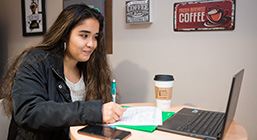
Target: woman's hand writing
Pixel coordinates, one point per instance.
(112, 112)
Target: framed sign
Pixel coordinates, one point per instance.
(204, 15)
(33, 17)
(139, 11)
(105, 7)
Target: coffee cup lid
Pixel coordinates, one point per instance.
(161, 77)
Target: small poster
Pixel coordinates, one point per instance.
(139, 11)
(33, 17)
(204, 15)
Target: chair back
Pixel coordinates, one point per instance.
(4, 123)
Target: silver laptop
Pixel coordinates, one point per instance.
(203, 123)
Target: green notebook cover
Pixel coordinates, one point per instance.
(148, 128)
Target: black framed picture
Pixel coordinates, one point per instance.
(33, 17)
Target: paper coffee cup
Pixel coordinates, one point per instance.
(163, 90)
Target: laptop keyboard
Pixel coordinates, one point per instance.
(205, 123)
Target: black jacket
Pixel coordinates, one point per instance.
(42, 104)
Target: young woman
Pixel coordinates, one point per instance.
(63, 81)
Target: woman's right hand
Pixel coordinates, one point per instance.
(112, 112)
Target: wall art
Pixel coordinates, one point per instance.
(139, 11)
(33, 17)
(204, 15)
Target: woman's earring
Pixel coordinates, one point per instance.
(64, 46)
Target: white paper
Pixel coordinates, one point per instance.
(141, 116)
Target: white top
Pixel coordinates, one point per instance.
(77, 90)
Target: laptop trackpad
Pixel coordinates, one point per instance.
(178, 120)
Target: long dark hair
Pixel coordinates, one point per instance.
(96, 70)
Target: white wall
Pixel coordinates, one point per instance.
(203, 63)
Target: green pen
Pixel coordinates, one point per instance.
(113, 90)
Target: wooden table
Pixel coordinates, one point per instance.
(235, 131)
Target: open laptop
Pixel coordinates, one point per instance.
(203, 123)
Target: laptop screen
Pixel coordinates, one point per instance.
(233, 99)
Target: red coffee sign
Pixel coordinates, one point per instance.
(204, 15)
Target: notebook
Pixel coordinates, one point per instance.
(204, 123)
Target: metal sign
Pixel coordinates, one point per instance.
(204, 15)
